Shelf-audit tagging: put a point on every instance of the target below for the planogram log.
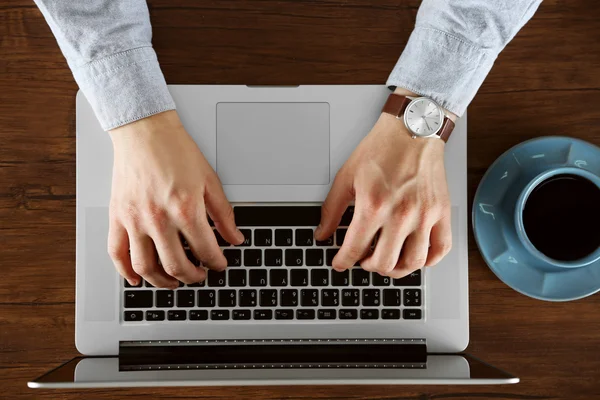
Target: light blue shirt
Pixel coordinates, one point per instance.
(108, 46)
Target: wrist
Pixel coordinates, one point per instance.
(162, 123)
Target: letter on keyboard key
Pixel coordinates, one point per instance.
(314, 257)
(227, 298)
(206, 298)
(371, 297)
(237, 277)
(289, 297)
(348, 314)
(263, 237)
(369, 313)
(408, 313)
(330, 297)
(391, 297)
(278, 277)
(340, 278)
(268, 298)
(305, 314)
(248, 298)
(299, 277)
(252, 257)
(176, 315)
(133, 315)
(360, 277)
(185, 298)
(390, 314)
(219, 315)
(309, 297)
(241, 314)
(304, 237)
(164, 298)
(412, 297)
(326, 314)
(247, 237)
(233, 256)
(216, 278)
(283, 237)
(198, 315)
(155, 315)
(138, 298)
(412, 279)
(258, 277)
(273, 258)
(319, 277)
(263, 314)
(284, 314)
(327, 242)
(293, 257)
(379, 280)
(350, 297)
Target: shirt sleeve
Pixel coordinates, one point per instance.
(454, 45)
(108, 46)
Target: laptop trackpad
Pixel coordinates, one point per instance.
(273, 143)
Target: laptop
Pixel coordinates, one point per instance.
(279, 315)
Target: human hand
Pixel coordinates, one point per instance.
(400, 192)
(162, 187)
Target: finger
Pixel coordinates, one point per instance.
(203, 243)
(413, 254)
(221, 213)
(332, 209)
(441, 241)
(357, 242)
(173, 258)
(387, 250)
(118, 249)
(145, 262)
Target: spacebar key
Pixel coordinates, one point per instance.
(277, 215)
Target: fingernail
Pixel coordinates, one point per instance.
(318, 230)
(133, 282)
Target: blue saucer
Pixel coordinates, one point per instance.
(496, 229)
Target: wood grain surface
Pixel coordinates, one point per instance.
(547, 82)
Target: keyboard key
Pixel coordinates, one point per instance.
(185, 298)
(340, 235)
(305, 314)
(330, 297)
(412, 297)
(138, 298)
(408, 313)
(127, 285)
(350, 297)
(293, 257)
(216, 278)
(348, 314)
(227, 298)
(347, 217)
(289, 297)
(268, 298)
(278, 277)
(133, 315)
(222, 242)
(197, 284)
(263, 237)
(390, 314)
(253, 257)
(284, 314)
(309, 297)
(340, 278)
(258, 277)
(219, 315)
(370, 297)
(176, 315)
(241, 314)
(391, 297)
(412, 279)
(164, 298)
(237, 277)
(155, 315)
(198, 315)
(326, 314)
(206, 298)
(304, 237)
(190, 256)
(326, 242)
(181, 284)
(233, 256)
(247, 298)
(247, 237)
(329, 255)
(360, 277)
(148, 284)
(314, 257)
(273, 258)
(299, 277)
(379, 280)
(263, 314)
(277, 215)
(283, 237)
(369, 314)
(319, 277)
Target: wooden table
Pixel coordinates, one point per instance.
(547, 82)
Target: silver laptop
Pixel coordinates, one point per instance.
(279, 314)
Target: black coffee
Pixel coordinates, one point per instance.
(562, 217)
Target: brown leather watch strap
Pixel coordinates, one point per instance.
(396, 105)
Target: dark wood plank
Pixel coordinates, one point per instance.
(545, 83)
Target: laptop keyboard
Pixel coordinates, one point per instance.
(280, 273)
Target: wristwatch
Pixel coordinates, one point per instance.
(423, 117)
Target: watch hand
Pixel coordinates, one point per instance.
(428, 127)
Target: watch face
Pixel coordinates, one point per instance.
(423, 117)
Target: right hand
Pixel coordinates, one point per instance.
(162, 187)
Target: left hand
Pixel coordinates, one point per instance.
(400, 192)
